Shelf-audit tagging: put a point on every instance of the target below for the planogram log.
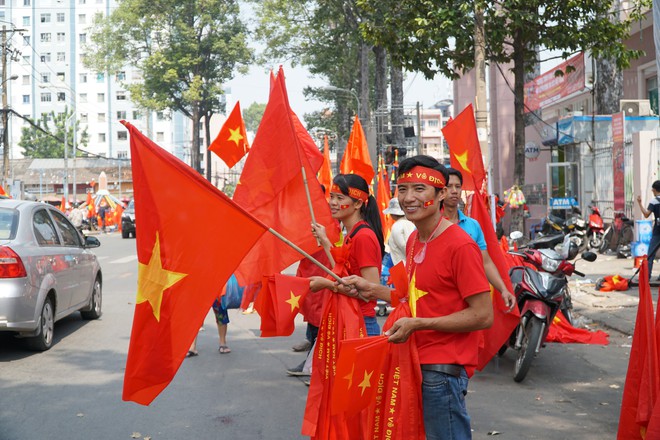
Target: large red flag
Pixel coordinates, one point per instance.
(179, 273)
(356, 158)
(231, 144)
(278, 312)
(464, 150)
(271, 188)
(383, 198)
(653, 429)
(642, 379)
(325, 173)
(562, 331)
(503, 323)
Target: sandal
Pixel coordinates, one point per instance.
(224, 349)
(192, 354)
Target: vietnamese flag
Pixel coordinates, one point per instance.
(356, 158)
(287, 294)
(358, 370)
(180, 271)
(562, 331)
(464, 150)
(231, 144)
(271, 188)
(63, 205)
(383, 198)
(643, 378)
(3, 192)
(503, 323)
(325, 173)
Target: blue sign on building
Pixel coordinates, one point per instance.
(563, 202)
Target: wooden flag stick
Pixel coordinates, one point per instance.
(311, 212)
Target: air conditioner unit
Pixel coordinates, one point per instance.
(635, 107)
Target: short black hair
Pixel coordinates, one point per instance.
(455, 172)
(656, 185)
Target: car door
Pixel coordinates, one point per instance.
(52, 258)
(78, 261)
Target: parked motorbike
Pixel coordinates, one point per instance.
(541, 288)
(596, 229)
(574, 226)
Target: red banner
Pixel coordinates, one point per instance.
(618, 132)
(548, 88)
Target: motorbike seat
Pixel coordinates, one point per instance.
(546, 284)
(555, 219)
(547, 242)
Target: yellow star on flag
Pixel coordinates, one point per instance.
(294, 301)
(462, 159)
(153, 280)
(366, 382)
(414, 294)
(235, 135)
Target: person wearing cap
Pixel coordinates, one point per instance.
(357, 210)
(449, 298)
(473, 229)
(401, 230)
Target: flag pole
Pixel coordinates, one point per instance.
(311, 212)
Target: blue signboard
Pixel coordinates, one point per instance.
(563, 202)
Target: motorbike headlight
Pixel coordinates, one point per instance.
(548, 264)
(580, 223)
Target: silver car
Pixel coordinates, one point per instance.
(46, 271)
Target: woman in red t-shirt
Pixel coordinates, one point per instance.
(351, 204)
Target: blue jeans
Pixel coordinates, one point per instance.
(445, 413)
(655, 239)
(373, 329)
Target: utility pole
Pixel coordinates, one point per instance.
(5, 116)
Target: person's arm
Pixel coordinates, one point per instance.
(318, 231)
(354, 285)
(477, 316)
(496, 280)
(645, 212)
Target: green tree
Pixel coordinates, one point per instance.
(252, 116)
(44, 138)
(184, 50)
(432, 36)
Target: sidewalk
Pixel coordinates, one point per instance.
(614, 310)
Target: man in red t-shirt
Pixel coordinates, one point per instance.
(449, 297)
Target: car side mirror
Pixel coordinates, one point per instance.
(92, 242)
(589, 256)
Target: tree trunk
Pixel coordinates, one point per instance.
(381, 107)
(398, 137)
(195, 159)
(608, 87)
(364, 112)
(517, 219)
(207, 132)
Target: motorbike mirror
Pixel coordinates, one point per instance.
(589, 256)
(515, 235)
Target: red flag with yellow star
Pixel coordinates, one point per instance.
(356, 159)
(325, 173)
(464, 150)
(180, 271)
(231, 144)
(279, 302)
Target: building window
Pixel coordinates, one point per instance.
(122, 135)
(26, 40)
(100, 97)
(100, 117)
(61, 96)
(136, 114)
(26, 80)
(26, 3)
(45, 77)
(160, 116)
(82, 38)
(45, 57)
(45, 18)
(121, 115)
(121, 95)
(61, 56)
(83, 97)
(45, 117)
(121, 76)
(83, 78)
(100, 77)
(82, 18)
(433, 123)
(61, 37)
(122, 154)
(26, 59)
(26, 21)
(45, 97)
(61, 76)
(102, 137)
(82, 2)
(26, 99)
(45, 37)
(60, 17)
(160, 136)
(83, 118)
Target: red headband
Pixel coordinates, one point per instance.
(352, 192)
(420, 174)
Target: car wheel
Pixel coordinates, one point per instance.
(95, 311)
(125, 233)
(44, 340)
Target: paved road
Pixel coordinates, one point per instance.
(73, 391)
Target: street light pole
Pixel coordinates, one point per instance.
(339, 89)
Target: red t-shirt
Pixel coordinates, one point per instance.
(452, 270)
(365, 252)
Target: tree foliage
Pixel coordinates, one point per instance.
(185, 51)
(45, 139)
(252, 116)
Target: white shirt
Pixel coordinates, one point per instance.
(401, 230)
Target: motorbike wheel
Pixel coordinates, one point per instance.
(596, 241)
(531, 339)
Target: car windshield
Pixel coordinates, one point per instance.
(8, 223)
